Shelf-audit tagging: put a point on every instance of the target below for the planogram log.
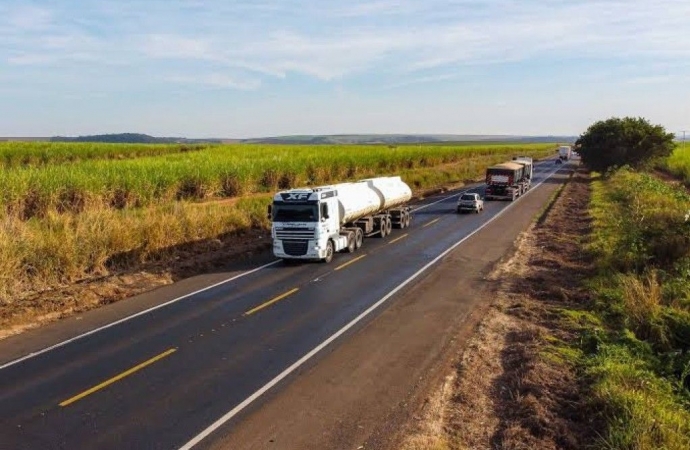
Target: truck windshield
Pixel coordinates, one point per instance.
(295, 213)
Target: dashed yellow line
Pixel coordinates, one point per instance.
(112, 380)
(271, 301)
(349, 262)
(431, 223)
(398, 238)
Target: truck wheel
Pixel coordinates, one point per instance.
(329, 252)
(359, 237)
(351, 247)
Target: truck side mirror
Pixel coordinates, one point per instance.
(269, 212)
(324, 210)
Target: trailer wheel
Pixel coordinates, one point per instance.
(406, 219)
(382, 228)
(329, 252)
(359, 237)
(389, 226)
(351, 246)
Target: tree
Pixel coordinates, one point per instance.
(617, 142)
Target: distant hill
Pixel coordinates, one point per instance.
(403, 139)
(332, 139)
(132, 138)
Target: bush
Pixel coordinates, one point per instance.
(617, 142)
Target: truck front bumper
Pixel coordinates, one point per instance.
(287, 249)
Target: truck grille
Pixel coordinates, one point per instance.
(295, 247)
(294, 233)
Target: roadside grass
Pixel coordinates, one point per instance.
(679, 162)
(61, 248)
(634, 345)
(70, 231)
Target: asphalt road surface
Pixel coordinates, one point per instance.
(189, 371)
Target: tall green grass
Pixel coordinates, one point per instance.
(22, 154)
(637, 357)
(218, 171)
(679, 162)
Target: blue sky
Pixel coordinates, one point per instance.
(272, 67)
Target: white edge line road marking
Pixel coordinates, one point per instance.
(233, 412)
(146, 311)
(140, 313)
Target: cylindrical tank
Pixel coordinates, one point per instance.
(362, 198)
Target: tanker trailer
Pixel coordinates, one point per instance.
(314, 223)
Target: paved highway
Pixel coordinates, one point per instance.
(169, 377)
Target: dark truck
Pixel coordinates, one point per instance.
(508, 181)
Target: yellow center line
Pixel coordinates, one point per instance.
(398, 238)
(431, 223)
(117, 377)
(272, 301)
(349, 262)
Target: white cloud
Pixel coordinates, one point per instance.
(421, 80)
(176, 47)
(368, 8)
(28, 18)
(332, 40)
(216, 80)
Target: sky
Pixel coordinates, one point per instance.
(243, 68)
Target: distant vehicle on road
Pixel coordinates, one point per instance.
(470, 202)
(565, 152)
(509, 180)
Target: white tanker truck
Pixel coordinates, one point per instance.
(314, 223)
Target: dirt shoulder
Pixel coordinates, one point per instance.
(509, 389)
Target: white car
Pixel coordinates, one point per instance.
(470, 202)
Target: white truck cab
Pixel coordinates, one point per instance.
(303, 225)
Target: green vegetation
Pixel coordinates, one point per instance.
(679, 163)
(634, 349)
(219, 171)
(66, 217)
(618, 142)
(18, 154)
